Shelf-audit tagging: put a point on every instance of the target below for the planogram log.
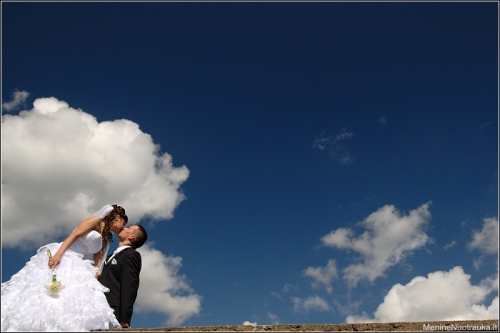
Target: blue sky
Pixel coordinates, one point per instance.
(294, 162)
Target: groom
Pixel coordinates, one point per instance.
(121, 273)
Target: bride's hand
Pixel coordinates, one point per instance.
(54, 261)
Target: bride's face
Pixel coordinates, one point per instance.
(118, 225)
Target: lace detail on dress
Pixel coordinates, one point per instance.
(81, 306)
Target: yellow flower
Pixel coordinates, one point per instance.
(54, 287)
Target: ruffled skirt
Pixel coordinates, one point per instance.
(80, 306)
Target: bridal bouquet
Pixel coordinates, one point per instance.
(54, 287)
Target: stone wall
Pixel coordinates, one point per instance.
(466, 325)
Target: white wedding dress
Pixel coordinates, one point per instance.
(79, 306)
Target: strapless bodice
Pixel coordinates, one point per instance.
(88, 243)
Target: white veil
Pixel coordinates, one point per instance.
(103, 211)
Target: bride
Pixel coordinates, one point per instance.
(58, 290)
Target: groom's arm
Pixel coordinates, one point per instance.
(129, 285)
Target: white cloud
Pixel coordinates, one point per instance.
(275, 294)
(323, 275)
(335, 147)
(486, 240)
(163, 290)
(311, 303)
(484, 125)
(60, 165)
(18, 99)
(274, 318)
(344, 134)
(389, 238)
(383, 120)
(287, 287)
(247, 323)
(440, 296)
(450, 245)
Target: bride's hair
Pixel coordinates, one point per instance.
(108, 220)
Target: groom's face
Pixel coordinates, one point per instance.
(127, 232)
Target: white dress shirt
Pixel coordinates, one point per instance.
(121, 248)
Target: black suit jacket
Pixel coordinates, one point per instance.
(122, 279)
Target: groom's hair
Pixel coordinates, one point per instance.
(141, 236)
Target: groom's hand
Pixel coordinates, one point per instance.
(125, 325)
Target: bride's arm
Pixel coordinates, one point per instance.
(84, 227)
